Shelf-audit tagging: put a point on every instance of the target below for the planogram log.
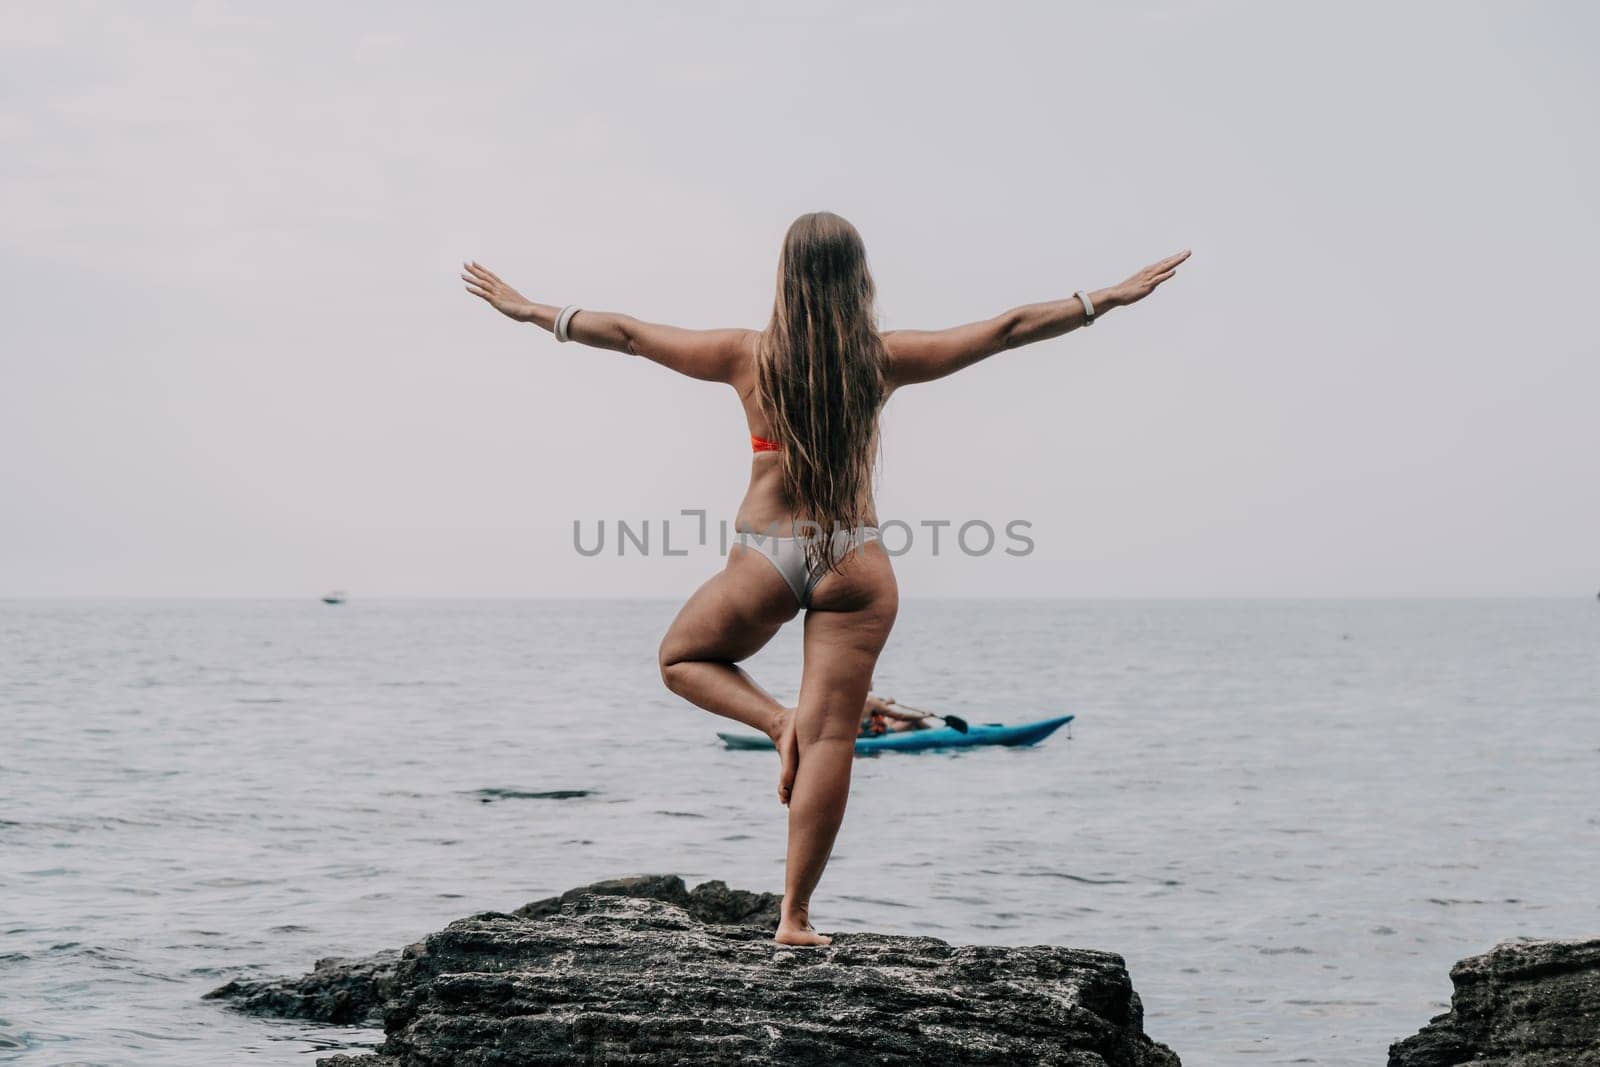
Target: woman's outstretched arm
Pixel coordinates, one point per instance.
(924, 355)
(710, 355)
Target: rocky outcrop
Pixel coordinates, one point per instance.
(338, 990)
(628, 980)
(708, 902)
(1521, 1004)
(353, 991)
(645, 971)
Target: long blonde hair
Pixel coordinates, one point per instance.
(820, 376)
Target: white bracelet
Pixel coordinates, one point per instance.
(562, 320)
(1088, 308)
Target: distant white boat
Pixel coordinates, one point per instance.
(335, 597)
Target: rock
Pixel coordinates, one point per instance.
(709, 902)
(647, 971)
(352, 991)
(338, 990)
(637, 980)
(1521, 1004)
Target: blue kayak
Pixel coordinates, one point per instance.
(1028, 733)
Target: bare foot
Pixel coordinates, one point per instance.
(800, 935)
(783, 737)
(795, 929)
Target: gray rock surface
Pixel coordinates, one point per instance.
(709, 902)
(338, 990)
(622, 980)
(353, 991)
(1521, 1004)
(646, 971)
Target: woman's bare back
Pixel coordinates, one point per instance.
(766, 509)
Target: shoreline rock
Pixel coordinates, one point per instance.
(351, 991)
(645, 970)
(1521, 1004)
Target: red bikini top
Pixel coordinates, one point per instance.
(761, 444)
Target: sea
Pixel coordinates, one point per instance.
(1289, 817)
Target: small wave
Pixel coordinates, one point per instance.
(344, 873)
(1084, 879)
(99, 953)
(487, 796)
(151, 1035)
(16, 1040)
(879, 902)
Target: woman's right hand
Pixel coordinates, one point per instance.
(1145, 281)
(483, 282)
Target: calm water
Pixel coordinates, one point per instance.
(1290, 818)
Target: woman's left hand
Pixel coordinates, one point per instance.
(485, 283)
(1144, 283)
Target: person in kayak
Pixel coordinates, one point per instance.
(880, 717)
(811, 385)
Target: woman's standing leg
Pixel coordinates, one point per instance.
(846, 628)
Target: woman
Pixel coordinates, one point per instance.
(812, 385)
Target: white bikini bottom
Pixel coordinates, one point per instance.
(788, 554)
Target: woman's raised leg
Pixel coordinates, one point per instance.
(728, 619)
(846, 628)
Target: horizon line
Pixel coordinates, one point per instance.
(610, 598)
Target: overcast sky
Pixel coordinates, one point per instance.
(236, 358)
